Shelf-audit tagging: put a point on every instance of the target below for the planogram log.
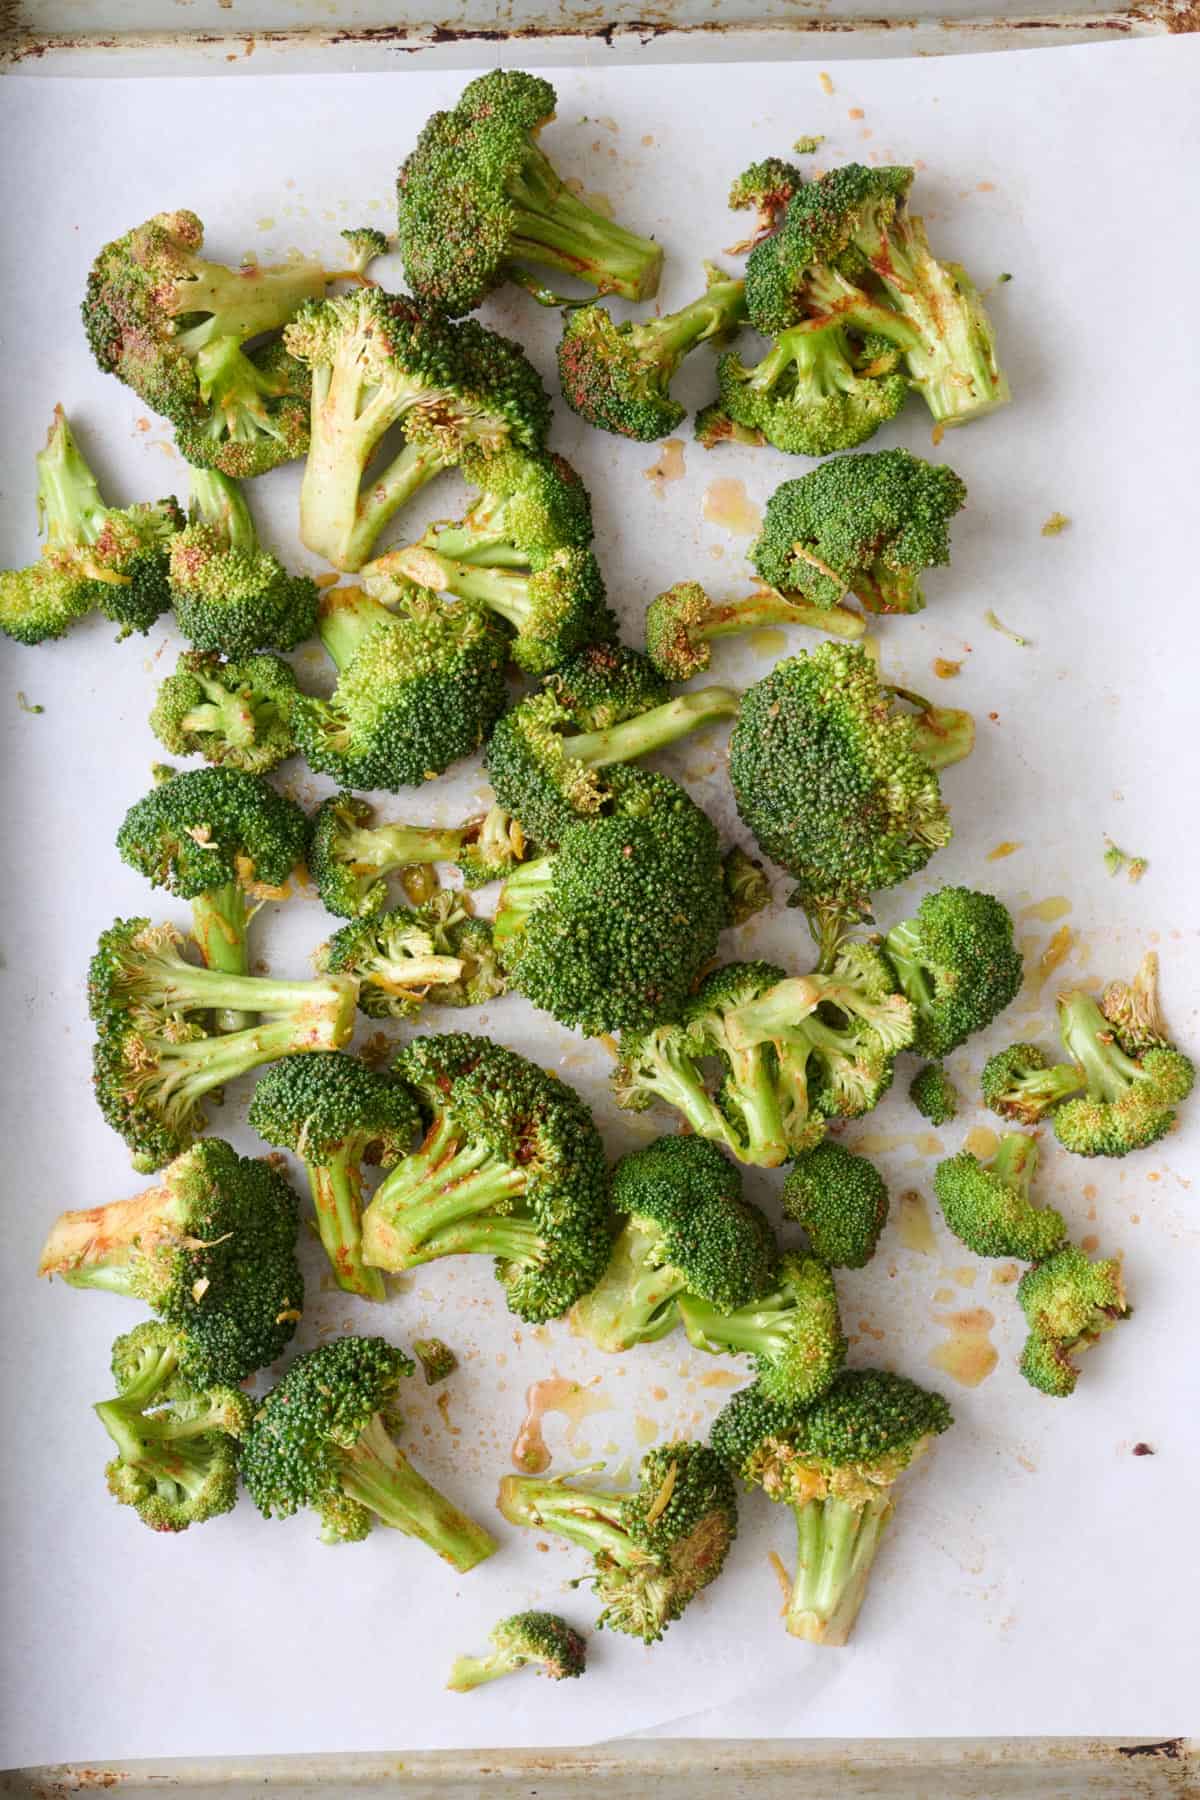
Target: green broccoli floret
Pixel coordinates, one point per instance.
(1068, 1304)
(364, 243)
(610, 931)
(764, 189)
(235, 715)
(530, 502)
(618, 377)
(989, 1206)
(438, 952)
(511, 1166)
(1020, 1084)
(335, 1114)
(1130, 1100)
(172, 327)
(417, 688)
(436, 1358)
(682, 622)
(793, 1334)
(154, 1060)
(956, 961)
(934, 1094)
(747, 889)
(478, 200)
(211, 1248)
(545, 756)
(714, 426)
(319, 1439)
(820, 388)
(177, 1444)
(350, 858)
(762, 1125)
(841, 1200)
(866, 525)
(653, 1550)
(661, 1064)
(687, 1231)
(219, 838)
(832, 783)
(835, 1464)
(230, 595)
(377, 361)
(96, 557)
(542, 1639)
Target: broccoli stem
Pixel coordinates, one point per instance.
(756, 1096)
(380, 1477)
(380, 849)
(634, 1300)
(760, 1329)
(582, 1516)
(676, 1082)
(554, 228)
(840, 302)
(346, 619)
(436, 1203)
(166, 1455)
(652, 730)
(941, 734)
(337, 1201)
(1015, 1162)
(217, 500)
(467, 1672)
(242, 303)
(219, 924)
(71, 509)
(903, 945)
(387, 491)
(666, 340)
(235, 391)
(828, 921)
(234, 717)
(90, 1248)
(769, 607)
(836, 1546)
(1089, 1040)
(173, 984)
(528, 883)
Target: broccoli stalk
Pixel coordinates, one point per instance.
(1019, 1083)
(683, 621)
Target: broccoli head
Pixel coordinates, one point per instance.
(840, 1199)
(1129, 1101)
(437, 952)
(683, 621)
(1020, 1084)
(1068, 1302)
(478, 200)
(230, 595)
(211, 1248)
(320, 1440)
(653, 1550)
(364, 244)
(933, 1094)
(793, 1334)
(235, 714)
(351, 857)
(538, 1639)
(763, 189)
(989, 1206)
(687, 1230)
(956, 961)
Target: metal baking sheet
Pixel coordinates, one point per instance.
(1033, 1582)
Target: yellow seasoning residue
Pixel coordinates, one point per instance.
(982, 1142)
(826, 81)
(928, 1143)
(943, 1296)
(1005, 1275)
(968, 1355)
(1057, 906)
(1002, 849)
(645, 1429)
(965, 1274)
(720, 1378)
(1090, 1242)
(727, 504)
(555, 1394)
(913, 1224)
(669, 467)
(768, 640)
(658, 1393)
(1055, 954)
(782, 1577)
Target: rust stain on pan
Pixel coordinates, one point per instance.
(1171, 1748)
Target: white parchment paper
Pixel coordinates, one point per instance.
(1038, 1577)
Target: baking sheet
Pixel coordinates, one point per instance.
(1033, 1581)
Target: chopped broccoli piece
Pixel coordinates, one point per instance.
(989, 1206)
(1068, 1304)
(794, 1334)
(437, 952)
(211, 1248)
(478, 200)
(511, 1166)
(1129, 1099)
(1132, 1009)
(653, 1550)
(956, 961)
(714, 426)
(763, 189)
(320, 1439)
(235, 715)
(681, 623)
(933, 1094)
(231, 595)
(437, 1359)
(1019, 1083)
(542, 1639)
(687, 1231)
(820, 388)
(364, 244)
(335, 1114)
(351, 858)
(841, 1200)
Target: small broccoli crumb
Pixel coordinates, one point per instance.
(160, 772)
(27, 706)
(1055, 525)
(944, 669)
(1002, 278)
(436, 1358)
(1116, 860)
(933, 1094)
(997, 625)
(808, 146)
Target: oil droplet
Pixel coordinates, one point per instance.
(1057, 906)
(929, 1143)
(913, 1224)
(1005, 1275)
(965, 1275)
(944, 669)
(1055, 954)
(658, 1393)
(719, 1378)
(943, 1296)
(1004, 848)
(982, 1142)
(669, 467)
(645, 1429)
(968, 1355)
(768, 640)
(826, 82)
(554, 1394)
(727, 504)
(782, 1577)
(1090, 1242)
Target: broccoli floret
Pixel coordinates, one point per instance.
(95, 557)
(834, 1463)
(1019, 1083)
(417, 688)
(765, 1127)
(989, 1206)
(436, 1358)
(610, 931)
(747, 889)
(172, 327)
(1068, 1304)
(319, 1439)
(714, 426)
(830, 780)
(478, 200)
(236, 715)
(545, 755)
(511, 1166)
(437, 952)
(351, 858)
(154, 1061)
(211, 1248)
(653, 1550)
(377, 362)
(177, 1444)
(934, 1094)
(794, 1334)
(866, 525)
(764, 189)
(956, 961)
(1129, 1101)
(364, 244)
(681, 623)
(841, 1200)
(820, 388)
(219, 838)
(661, 1064)
(530, 502)
(231, 595)
(335, 1114)
(687, 1230)
(618, 377)
(542, 1639)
